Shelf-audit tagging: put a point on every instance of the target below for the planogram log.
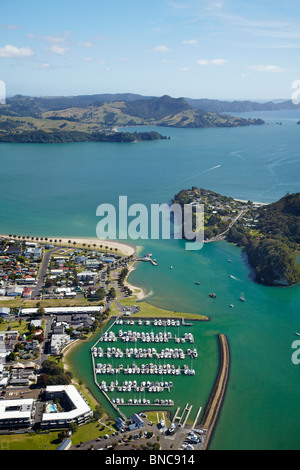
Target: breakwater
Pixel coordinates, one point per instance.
(215, 402)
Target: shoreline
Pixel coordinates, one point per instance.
(253, 202)
(139, 292)
(124, 248)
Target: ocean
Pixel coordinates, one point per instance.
(54, 190)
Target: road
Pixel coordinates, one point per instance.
(43, 272)
(221, 236)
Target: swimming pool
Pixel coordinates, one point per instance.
(52, 408)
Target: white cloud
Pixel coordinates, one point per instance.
(87, 59)
(162, 49)
(219, 61)
(216, 62)
(86, 44)
(9, 26)
(51, 39)
(268, 68)
(178, 6)
(16, 52)
(203, 62)
(185, 69)
(190, 41)
(60, 50)
(45, 66)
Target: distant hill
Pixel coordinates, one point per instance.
(34, 106)
(98, 113)
(218, 106)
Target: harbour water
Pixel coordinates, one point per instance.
(54, 190)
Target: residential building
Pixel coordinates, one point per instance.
(135, 423)
(4, 312)
(76, 409)
(17, 413)
(58, 342)
(120, 424)
(27, 293)
(14, 291)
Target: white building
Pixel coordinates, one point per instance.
(4, 312)
(64, 310)
(58, 342)
(76, 409)
(17, 413)
(14, 291)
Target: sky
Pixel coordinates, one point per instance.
(223, 49)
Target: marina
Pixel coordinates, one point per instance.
(130, 373)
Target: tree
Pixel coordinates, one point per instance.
(98, 413)
(100, 294)
(40, 312)
(73, 427)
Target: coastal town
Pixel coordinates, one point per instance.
(55, 294)
(221, 213)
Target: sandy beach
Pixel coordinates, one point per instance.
(124, 248)
(257, 203)
(137, 291)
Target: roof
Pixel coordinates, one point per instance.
(21, 408)
(63, 310)
(137, 420)
(4, 311)
(66, 443)
(80, 405)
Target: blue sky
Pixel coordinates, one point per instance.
(223, 49)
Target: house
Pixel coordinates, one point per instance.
(121, 426)
(37, 253)
(15, 250)
(27, 293)
(36, 323)
(14, 291)
(58, 342)
(87, 275)
(4, 312)
(11, 335)
(135, 423)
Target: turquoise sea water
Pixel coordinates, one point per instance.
(54, 190)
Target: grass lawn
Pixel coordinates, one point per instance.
(15, 325)
(148, 310)
(30, 441)
(49, 441)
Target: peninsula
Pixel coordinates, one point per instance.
(269, 234)
(95, 118)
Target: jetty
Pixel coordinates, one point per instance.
(148, 257)
(184, 416)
